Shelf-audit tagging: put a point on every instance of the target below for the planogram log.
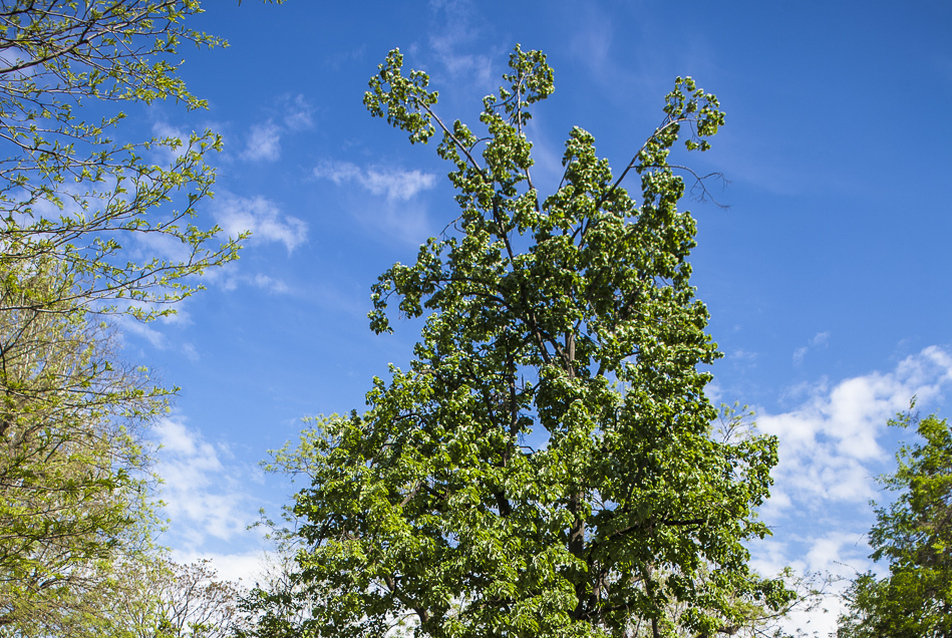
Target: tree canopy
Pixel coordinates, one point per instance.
(913, 535)
(68, 188)
(91, 226)
(548, 464)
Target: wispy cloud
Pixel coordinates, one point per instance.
(203, 496)
(264, 143)
(264, 140)
(820, 340)
(131, 326)
(393, 183)
(594, 38)
(341, 57)
(259, 280)
(456, 30)
(152, 332)
(402, 215)
(744, 355)
(259, 216)
(190, 351)
(269, 283)
(630, 79)
(298, 115)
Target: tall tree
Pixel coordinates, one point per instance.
(914, 537)
(547, 465)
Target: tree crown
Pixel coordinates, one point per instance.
(547, 465)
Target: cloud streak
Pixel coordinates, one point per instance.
(820, 340)
(259, 216)
(392, 183)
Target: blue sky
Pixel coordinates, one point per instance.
(827, 278)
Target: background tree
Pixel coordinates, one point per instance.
(73, 482)
(547, 465)
(149, 597)
(68, 189)
(914, 536)
(79, 206)
(182, 601)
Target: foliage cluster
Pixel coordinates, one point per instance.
(68, 190)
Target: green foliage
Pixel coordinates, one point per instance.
(73, 477)
(68, 189)
(914, 536)
(548, 464)
(142, 596)
(90, 226)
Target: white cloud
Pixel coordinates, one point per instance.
(175, 438)
(264, 140)
(401, 185)
(338, 172)
(828, 441)
(269, 283)
(830, 451)
(395, 184)
(203, 498)
(261, 217)
(264, 143)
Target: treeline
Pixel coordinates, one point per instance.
(549, 463)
